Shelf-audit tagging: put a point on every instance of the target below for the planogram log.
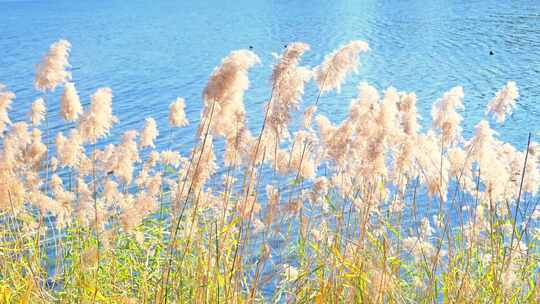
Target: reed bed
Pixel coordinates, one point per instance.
(372, 209)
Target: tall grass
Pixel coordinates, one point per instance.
(369, 210)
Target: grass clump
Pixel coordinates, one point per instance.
(369, 210)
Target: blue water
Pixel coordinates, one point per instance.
(150, 52)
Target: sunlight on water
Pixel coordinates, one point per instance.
(149, 53)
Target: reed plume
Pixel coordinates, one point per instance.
(445, 116)
(503, 102)
(225, 93)
(370, 208)
(52, 71)
(288, 81)
(331, 73)
(96, 122)
(6, 98)
(177, 116)
(70, 103)
(37, 111)
(149, 133)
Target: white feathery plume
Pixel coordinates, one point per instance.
(409, 115)
(153, 184)
(203, 153)
(363, 109)
(149, 133)
(110, 191)
(428, 159)
(70, 103)
(404, 157)
(6, 98)
(387, 118)
(487, 152)
(177, 115)
(70, 150)
(19, 131)
(12, 192)
(302, 160)
(237, 146)
(98, 120)
(152, 160)
(460, 166)
(514, 161)
(54, 164)
(37, 111)
(124, 157)
(56, 181)
(367, 94)
(14, 144)
(52, 70)
(531, 180)
(482, 146)
(445, 117)
(338, 64)
(336, 140)
(224, 93)
(503, 102)
(224, 111)
(288, 81)
(374, 164)
(171, 158)
(308, 116)
(35, 152)
(407, 144)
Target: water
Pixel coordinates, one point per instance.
(150, 52)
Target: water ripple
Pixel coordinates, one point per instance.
(151, 52)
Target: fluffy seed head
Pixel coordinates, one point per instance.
(445, 117)
(224, 93)
(288, 80)
(6, 98)
(52, 70)
(308, 116)
(503, 102)
(171, 158)
(177, 115)
(407, 107)
(70, 103)
(338, 64)
(37, 111)
(70, 150)
(149, 133)
(98, 120)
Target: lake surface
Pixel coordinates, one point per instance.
(150, 52)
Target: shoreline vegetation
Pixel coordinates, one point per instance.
(373, 209)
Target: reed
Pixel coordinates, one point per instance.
(371, 209)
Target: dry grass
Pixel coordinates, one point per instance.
(370, 210)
